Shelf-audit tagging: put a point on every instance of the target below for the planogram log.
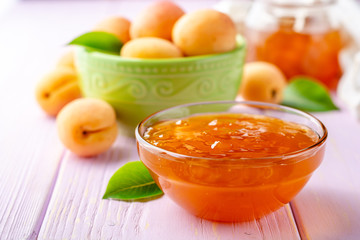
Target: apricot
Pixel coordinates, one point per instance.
(150, 47)
(263, 82)
(67, 59)
(87, 126)
(118, 26)
(157, 20)
(204, 32)
(56, 89)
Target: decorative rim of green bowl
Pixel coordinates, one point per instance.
(240, 45)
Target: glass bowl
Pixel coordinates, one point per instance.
(233, 189)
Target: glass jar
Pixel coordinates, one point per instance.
(301, 37)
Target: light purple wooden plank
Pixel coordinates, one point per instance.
(329, 206)
(32, 35)
(76, 210)
(29, 149)
(29, 154)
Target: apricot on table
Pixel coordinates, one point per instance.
(87, 126)
(157, 20)
(263, 82)
(119, 26)
(150, 47)
(67, 59)
(56, 89)
(204, 32)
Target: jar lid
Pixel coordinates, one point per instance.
(299, 3)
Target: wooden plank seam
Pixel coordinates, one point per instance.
(40, 220)
(297, 220)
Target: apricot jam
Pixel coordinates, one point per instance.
(230, 166)
(230, 136)
(310, 54)
(300, 37)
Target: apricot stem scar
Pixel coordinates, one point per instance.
(88, 132)
(273, 93)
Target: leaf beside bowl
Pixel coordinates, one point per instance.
(308, 95)
(132, 182)
(101, 41)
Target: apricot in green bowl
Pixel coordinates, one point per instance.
(137, 88)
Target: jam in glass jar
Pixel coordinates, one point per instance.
(301, 37)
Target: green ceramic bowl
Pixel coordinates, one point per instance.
(137, 88)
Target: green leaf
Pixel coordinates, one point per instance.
(308, 95)
(102, 41)
(132, 182)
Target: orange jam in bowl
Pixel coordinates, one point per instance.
(231, 161)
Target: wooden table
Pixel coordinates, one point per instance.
(46, 192)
